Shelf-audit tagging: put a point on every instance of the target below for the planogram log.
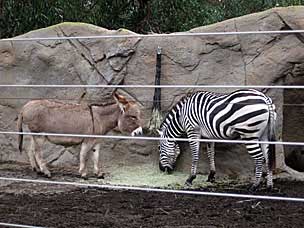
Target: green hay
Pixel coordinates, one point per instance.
(155, 122)
(149, 175)
(145, 175)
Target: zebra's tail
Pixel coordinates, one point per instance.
(271, 136)
(19, 127)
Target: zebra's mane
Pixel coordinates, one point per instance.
(174, 111)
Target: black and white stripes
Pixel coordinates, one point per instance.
(243, 114)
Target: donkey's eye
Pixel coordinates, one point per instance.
(133, 117)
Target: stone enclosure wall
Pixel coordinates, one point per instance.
(201, 60)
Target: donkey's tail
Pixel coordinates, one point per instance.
(19, 128)
(272, 136)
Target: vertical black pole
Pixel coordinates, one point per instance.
(157, 91)
(156, 118)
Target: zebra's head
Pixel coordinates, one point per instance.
(168, 153)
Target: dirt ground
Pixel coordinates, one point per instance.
(61, 206)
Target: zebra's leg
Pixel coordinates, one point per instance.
(194, 146)
(210, 154)
(255, 151)
(39, 141)
(96, 162)
(258, 174)
(268, 166)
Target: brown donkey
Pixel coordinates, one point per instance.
(63, 118)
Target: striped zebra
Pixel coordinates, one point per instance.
(244, 114)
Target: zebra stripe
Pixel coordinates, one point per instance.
(243, 114)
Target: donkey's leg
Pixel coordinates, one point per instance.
(194, 146)
(96, 162)
(255, 151)
(31, 156)
(210, 154)
(86, 146)
(39, 141)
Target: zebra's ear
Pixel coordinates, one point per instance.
(160, 133)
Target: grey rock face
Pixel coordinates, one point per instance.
(202, 60)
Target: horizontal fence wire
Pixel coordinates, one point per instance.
(159, 190)
(18, 225)
(180, 34)
(96, 100)
(156, 86)
(153, 138)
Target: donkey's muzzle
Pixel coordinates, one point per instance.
(137, 131)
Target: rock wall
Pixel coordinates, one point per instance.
(205, 60)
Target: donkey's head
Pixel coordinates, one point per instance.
(130, 120)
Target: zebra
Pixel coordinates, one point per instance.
(243, 114)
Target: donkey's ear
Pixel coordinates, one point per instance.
(121, 101)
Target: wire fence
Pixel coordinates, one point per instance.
(18, 225)
(145, 189)
(124, 36)
(149, 102)
(235, 141)
(157, 86)
(156, 138)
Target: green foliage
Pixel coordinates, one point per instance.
(142, 16)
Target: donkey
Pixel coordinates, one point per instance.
(59, 117)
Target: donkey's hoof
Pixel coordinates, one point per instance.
(84, 176)
(44, 174)
(47, 175)
(100, 175)
(38, 172)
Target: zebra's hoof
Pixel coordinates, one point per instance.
(190, 179)
(211, 179)
(253, 188)
(188, 183)
(269, 188)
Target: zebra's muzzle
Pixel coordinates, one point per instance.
(166, 169)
